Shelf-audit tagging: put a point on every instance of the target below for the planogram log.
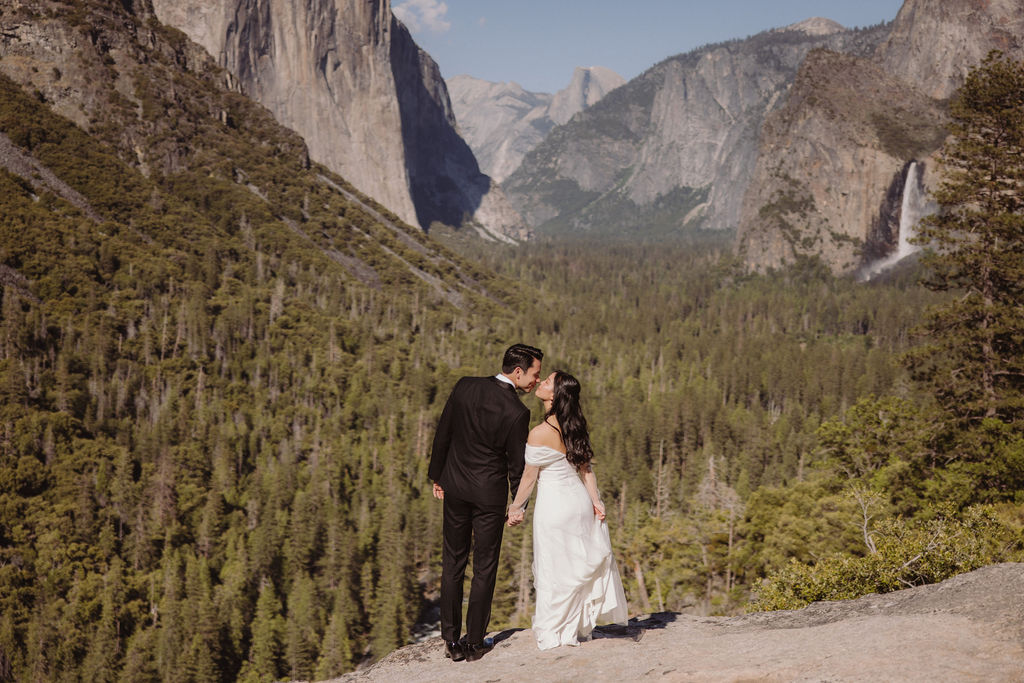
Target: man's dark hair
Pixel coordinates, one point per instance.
(520, 356)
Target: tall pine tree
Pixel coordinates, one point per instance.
(973, 352)
(974, 355)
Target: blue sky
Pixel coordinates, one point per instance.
(536, 43)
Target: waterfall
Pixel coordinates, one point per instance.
(910, 212)
(913, 207)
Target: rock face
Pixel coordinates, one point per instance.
(816, 26)
(347, 76)
(502, 121)
(43, 50)
(674, 148)
(156, 100)
(833, 160)
(845, 118)
(587, 87)
(934, 43)
(966, 628)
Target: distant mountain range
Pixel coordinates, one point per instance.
(502, 121)
(673, 149)
(798, 138)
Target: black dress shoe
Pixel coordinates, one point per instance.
(476, 651)
(454, 650)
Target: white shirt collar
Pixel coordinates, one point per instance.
(505, 379)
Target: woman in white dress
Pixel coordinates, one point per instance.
(574, 571)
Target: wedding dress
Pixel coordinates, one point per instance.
(574, 571)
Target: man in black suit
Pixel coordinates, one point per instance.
(477, 455)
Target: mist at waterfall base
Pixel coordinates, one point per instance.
(913, 208)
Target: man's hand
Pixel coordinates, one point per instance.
(438, 491)
(516, 516)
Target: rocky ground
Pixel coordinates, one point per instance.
(969, 628)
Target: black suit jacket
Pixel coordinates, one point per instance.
(479, 446)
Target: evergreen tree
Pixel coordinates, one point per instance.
(140, 658)
(973, 352)
(266, 654)
(303, 627)
(172, 624)
(102, 661)
(9, 650)
(336, 652)
(394, 606)
(202, 661)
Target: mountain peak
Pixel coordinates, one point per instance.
(588, 85)
(815, 26)
(502, 121)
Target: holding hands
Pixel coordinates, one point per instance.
(516, 515)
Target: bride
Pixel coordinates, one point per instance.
(574, 571)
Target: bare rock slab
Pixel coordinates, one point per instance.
(968, 628)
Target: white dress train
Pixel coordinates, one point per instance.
(574, 570)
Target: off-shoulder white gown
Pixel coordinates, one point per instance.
(574, 571)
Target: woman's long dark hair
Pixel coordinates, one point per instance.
(565, 406)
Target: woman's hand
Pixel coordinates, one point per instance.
(599, 510)
(516, 515)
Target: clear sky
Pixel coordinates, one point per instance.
(537, 43)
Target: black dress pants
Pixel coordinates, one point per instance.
(481, 526)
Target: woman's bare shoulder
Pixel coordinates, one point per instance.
(545, 435)
(536, 435)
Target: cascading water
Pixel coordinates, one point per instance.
(913, 207)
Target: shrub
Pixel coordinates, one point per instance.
(908, 553)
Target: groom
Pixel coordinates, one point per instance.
(477, 454)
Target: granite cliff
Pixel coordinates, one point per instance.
(832, 164)
(502, 121)
(371, 105)
(673, 149)
(934, 43)
(160, 105)
(833, 159)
